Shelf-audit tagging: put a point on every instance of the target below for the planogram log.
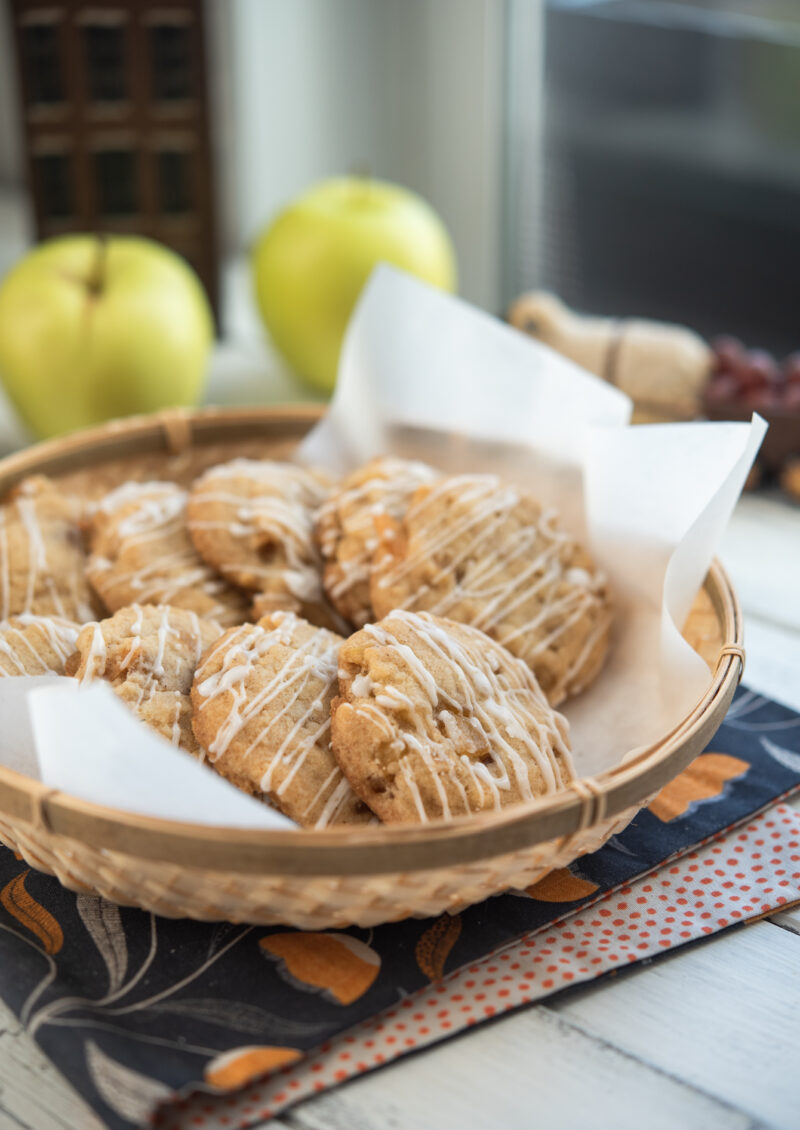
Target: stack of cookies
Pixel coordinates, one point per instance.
(389, 647)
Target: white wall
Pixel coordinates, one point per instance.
(523, 234)
(444, 117)
(296, 82)
(411, 90)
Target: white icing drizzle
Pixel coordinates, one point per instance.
(279, 504)
(350, 515)
(498, 578)
(496, 717)
(157, 676)
(155, 522)
(116, 499)
(95, 658)
(286, 734)
(411, 785)
(161, 635)
(36, 645)
(41, 519)
(37, 555)
(175, 736)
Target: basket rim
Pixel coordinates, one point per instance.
(372, 850)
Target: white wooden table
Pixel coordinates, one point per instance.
(705, 1039)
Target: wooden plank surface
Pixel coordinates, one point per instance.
(538, 1069)
(724, 1016)
(789, 919)
(761, 548)
(772, 660)
(32, 1093)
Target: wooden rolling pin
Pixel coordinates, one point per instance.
(663, 368)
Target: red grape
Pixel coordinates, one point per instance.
(759, 371)
(722, 391)
(764, 399)
(729, 352)
(791, 397)
(791, 368)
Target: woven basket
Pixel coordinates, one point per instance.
(340, 876)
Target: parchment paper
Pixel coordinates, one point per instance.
(84, 741)
(425, 375)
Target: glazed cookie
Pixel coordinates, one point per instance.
(42, 558)
(322, 615)
(262, 709)
(148, 653)
(141, 552)
(36, 645)
(252, 520)
(480, 552)
(347, 533)
(437, 720)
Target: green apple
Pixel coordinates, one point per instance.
(92, 328)
(310, 264)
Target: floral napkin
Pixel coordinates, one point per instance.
(135, 1010)
(681, 902)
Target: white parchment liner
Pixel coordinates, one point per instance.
(425, 375)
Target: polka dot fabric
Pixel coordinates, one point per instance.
(744, 874)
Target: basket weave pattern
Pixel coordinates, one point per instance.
(316, 880)
(311, 903)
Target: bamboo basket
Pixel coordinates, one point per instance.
(336, 877)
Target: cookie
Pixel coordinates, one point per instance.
(322, 615)
(481, 552)
(262, 709)
(436, 720)
(42, 556)
(252, 520)
(36, 645)
(347, 533)
(148, 653)
(141, 553)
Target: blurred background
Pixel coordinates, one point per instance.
(637, 157)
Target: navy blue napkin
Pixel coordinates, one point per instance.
(132, 1008)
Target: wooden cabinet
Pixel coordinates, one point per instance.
(116, 121)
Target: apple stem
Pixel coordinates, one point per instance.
(96, 282)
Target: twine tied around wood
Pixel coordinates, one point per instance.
(593, 801)
(177, 429)
(732, 649)
(40, 816)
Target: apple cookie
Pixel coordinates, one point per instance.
(42, 557)
(347, 527)
(142, 553)
(36, 645)
(148, 653)
(262, 709)
(436, 720)
(252, 520)
(481, 552)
